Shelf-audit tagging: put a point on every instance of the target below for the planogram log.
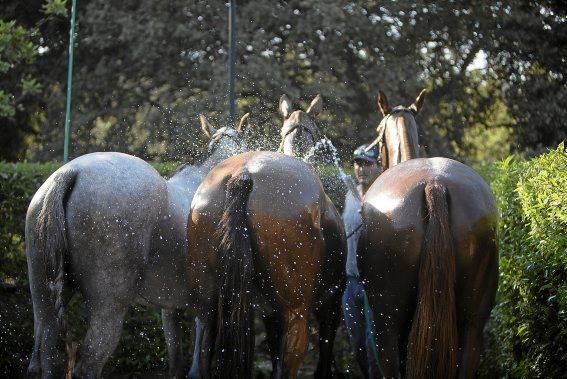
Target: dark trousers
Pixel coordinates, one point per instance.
(356, 324)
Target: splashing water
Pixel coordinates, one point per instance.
(323, 146)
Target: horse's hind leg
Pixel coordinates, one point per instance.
(293, 344)
(328, 317)
(103, 333)
(171, 322)
(48, 358)
(273, 324)
(474, 303)
(205, 335)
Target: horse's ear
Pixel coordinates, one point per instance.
(316, 106)
(382, 102)
(416, 106)
(208, 129)
(285, 106)
(244, 122)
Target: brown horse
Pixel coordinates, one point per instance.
(429, 256)
(399, 129)
(262, 225)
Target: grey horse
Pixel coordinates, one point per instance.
(107, 224)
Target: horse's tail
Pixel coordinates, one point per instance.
(432, 344)
(52, 242)
(236, 268)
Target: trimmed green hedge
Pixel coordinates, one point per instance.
(527, 337)
(527, 332)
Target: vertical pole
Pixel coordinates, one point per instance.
(69, 82)
(231, 60)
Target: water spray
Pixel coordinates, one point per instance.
(323, 145)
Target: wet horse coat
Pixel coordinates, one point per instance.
(429, 257)
(110, 226)
(266, 229)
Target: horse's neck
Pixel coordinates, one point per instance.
(407, 146)
(215, 158)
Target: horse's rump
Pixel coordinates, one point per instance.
(270, 209)
(429, 228)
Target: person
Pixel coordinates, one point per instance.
(366, 170)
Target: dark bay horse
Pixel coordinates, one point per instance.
(429, 257)
(108, 225)
(262, 225)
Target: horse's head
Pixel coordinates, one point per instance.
(226, 141)
(397, 132)
(299, 131)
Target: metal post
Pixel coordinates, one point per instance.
(231, 60)
(69, 82)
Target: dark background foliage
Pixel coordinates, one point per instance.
(145, 69)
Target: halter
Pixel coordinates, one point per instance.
(382, 126)
(285, 133)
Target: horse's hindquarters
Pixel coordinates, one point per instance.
(394, 246)
(285, 211)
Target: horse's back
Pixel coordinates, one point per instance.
(284, 187)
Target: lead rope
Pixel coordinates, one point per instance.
(380, 139)
(371, 333)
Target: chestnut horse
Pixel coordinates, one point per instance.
(263, 227)
(428, 255)
(108, 225)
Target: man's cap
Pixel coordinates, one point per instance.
(370, 156)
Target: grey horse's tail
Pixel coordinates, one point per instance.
(52, 242)
(235, 271)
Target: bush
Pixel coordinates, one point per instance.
(528, 326)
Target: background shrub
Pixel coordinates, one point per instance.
(527, 334)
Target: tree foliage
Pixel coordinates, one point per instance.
(144, 70)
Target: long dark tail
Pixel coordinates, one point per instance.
(235, 347)
(52, 241)
(432, 345)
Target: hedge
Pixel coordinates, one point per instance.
(527, 331)
(528, 326)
